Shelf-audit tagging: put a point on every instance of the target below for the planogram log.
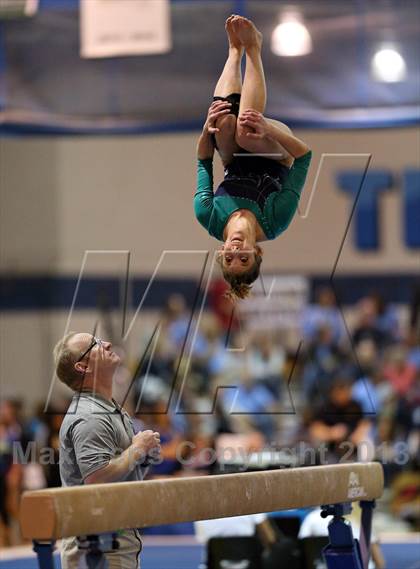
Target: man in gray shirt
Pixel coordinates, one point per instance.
(97, 440)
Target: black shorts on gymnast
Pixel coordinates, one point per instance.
(234, 99)
(253, 177)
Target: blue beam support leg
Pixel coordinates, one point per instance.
(366, 530)
(343, 551)
(44, 552)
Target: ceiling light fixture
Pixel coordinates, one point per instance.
(388, 65)
(291, 37)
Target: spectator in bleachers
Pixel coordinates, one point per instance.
(223, 360)
(54, 419)
(323, 359)
(405, 496)
(324, 312)
(11, 433)
(364, 392)
(370, 389)
(251, 405)
(160, 361)
(340, 422)
(265, 362)
(369, 327)
(407, 417)
(35, 428)
(386, 316)
(179, 325)
(154, 414)
(413, 347)
(415, 308)
(400, 374)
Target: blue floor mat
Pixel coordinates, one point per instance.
(398, 556)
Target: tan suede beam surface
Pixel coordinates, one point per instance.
(64, 512)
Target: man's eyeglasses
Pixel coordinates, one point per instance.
(95, 342)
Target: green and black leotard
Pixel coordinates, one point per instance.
(267, 188)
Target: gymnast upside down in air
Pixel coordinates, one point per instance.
(259, 195)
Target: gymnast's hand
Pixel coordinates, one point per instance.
(147, 443)
(217, 109)
(255, 120)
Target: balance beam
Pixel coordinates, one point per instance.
(99, 508)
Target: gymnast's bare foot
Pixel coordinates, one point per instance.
(247, 33)
(234, 41)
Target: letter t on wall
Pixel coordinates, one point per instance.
(365, 189)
